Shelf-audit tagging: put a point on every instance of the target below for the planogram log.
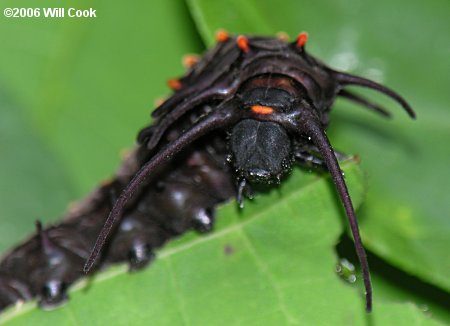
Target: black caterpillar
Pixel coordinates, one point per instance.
(243, 114)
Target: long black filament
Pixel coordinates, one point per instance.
(319, 138)
(167, 120)
(362, 101)
(347, 79)
(218, 119)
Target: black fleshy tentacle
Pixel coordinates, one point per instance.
(348, 79)
(221, 118)
(362, 101)
(313, 129)
(167, 120)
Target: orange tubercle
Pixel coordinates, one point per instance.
(260, 109)
(222, 35)
(283, 36)
(302, 38)
(159, 101)
(106, 182)
(174, 84)
(242, 43)
(189, 60)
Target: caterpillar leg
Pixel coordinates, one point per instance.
(308, 156)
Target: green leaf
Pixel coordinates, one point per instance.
(405, 218)
(272, 264)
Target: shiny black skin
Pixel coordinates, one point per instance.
(205, 146)
(183, 198)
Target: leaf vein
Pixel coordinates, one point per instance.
(179, 298)
(270, 277)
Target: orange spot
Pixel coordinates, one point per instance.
(260, 109)
(242, 43)
(222, 36)
(283, 36)
(302, 38)
(189, 60)
(174, 84)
